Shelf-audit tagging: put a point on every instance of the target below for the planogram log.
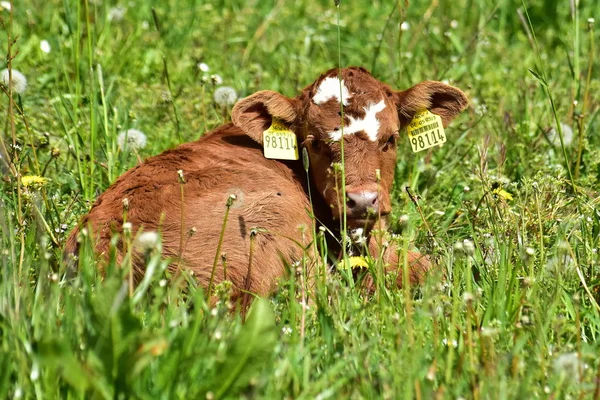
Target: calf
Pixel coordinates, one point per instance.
(346, 105)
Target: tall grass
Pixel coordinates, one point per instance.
(511, 202)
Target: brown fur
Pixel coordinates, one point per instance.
(271, 194)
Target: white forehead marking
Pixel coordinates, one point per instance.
(330, 87)
(369, 124)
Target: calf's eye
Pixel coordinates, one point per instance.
(391, 142)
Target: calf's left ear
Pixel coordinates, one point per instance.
(437, 97)
(255, 113)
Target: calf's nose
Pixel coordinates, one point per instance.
(360, 203)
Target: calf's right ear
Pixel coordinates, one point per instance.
(255, 113)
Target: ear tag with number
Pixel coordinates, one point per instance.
(279, 142)
(425, 130)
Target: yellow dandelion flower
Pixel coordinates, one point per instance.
(358, 262)
(33, 180)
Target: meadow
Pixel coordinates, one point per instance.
(509, 207)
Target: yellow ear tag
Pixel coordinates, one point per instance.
(425, 130)
(279, 142)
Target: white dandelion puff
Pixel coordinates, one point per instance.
(45, 46)
(225, 96)
(5, 5)
(468, 247)
(216, 79)
(18, 80)
(132, 139)
(116, 14)
(147, 241)
(567, 133)
(203, 67)
(569, 365)
(404, 26)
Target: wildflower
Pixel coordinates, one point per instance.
(466, 189)
(567, 134)
(454, 24)
(5, 5)
(45, 46)
(403, 220)
(131, 139)
(358, 237)
(225, 96)
(499, 191)
(568, 364)
(218, 335)
(481, 109)
(404, 26)
(165, 96)
(468, 297)
(35, 372)
(127, 227)
(216, 79)
(468, 247)
(203, 67)
(147, 241)
(162, 283)
(286, 330)
(33, 180)
(458, 247)
(18, 82)
(358, 262)
(116, 14)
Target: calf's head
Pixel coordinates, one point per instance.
(347, 111)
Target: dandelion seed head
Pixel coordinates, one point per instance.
(18, 82)
(147, 241)
(568, 364)
(216, 79)
(454, 24)
(225, 96)
(127, 226)
(468, 247)
(404, 26)
(468, 297)
(203, 67)
(45, 46)
(116, 14)
(5, 5)
(131, 139)
(567, 132)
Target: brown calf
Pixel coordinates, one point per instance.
(273, 194)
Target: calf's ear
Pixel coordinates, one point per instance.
(437, 97)
(255, 113)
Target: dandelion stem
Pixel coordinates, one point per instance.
(228, 205)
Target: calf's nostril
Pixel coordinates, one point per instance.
(362, 202)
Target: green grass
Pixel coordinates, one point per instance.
(515, 317)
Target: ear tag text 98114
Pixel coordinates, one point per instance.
(279, 142)
(425, 130)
